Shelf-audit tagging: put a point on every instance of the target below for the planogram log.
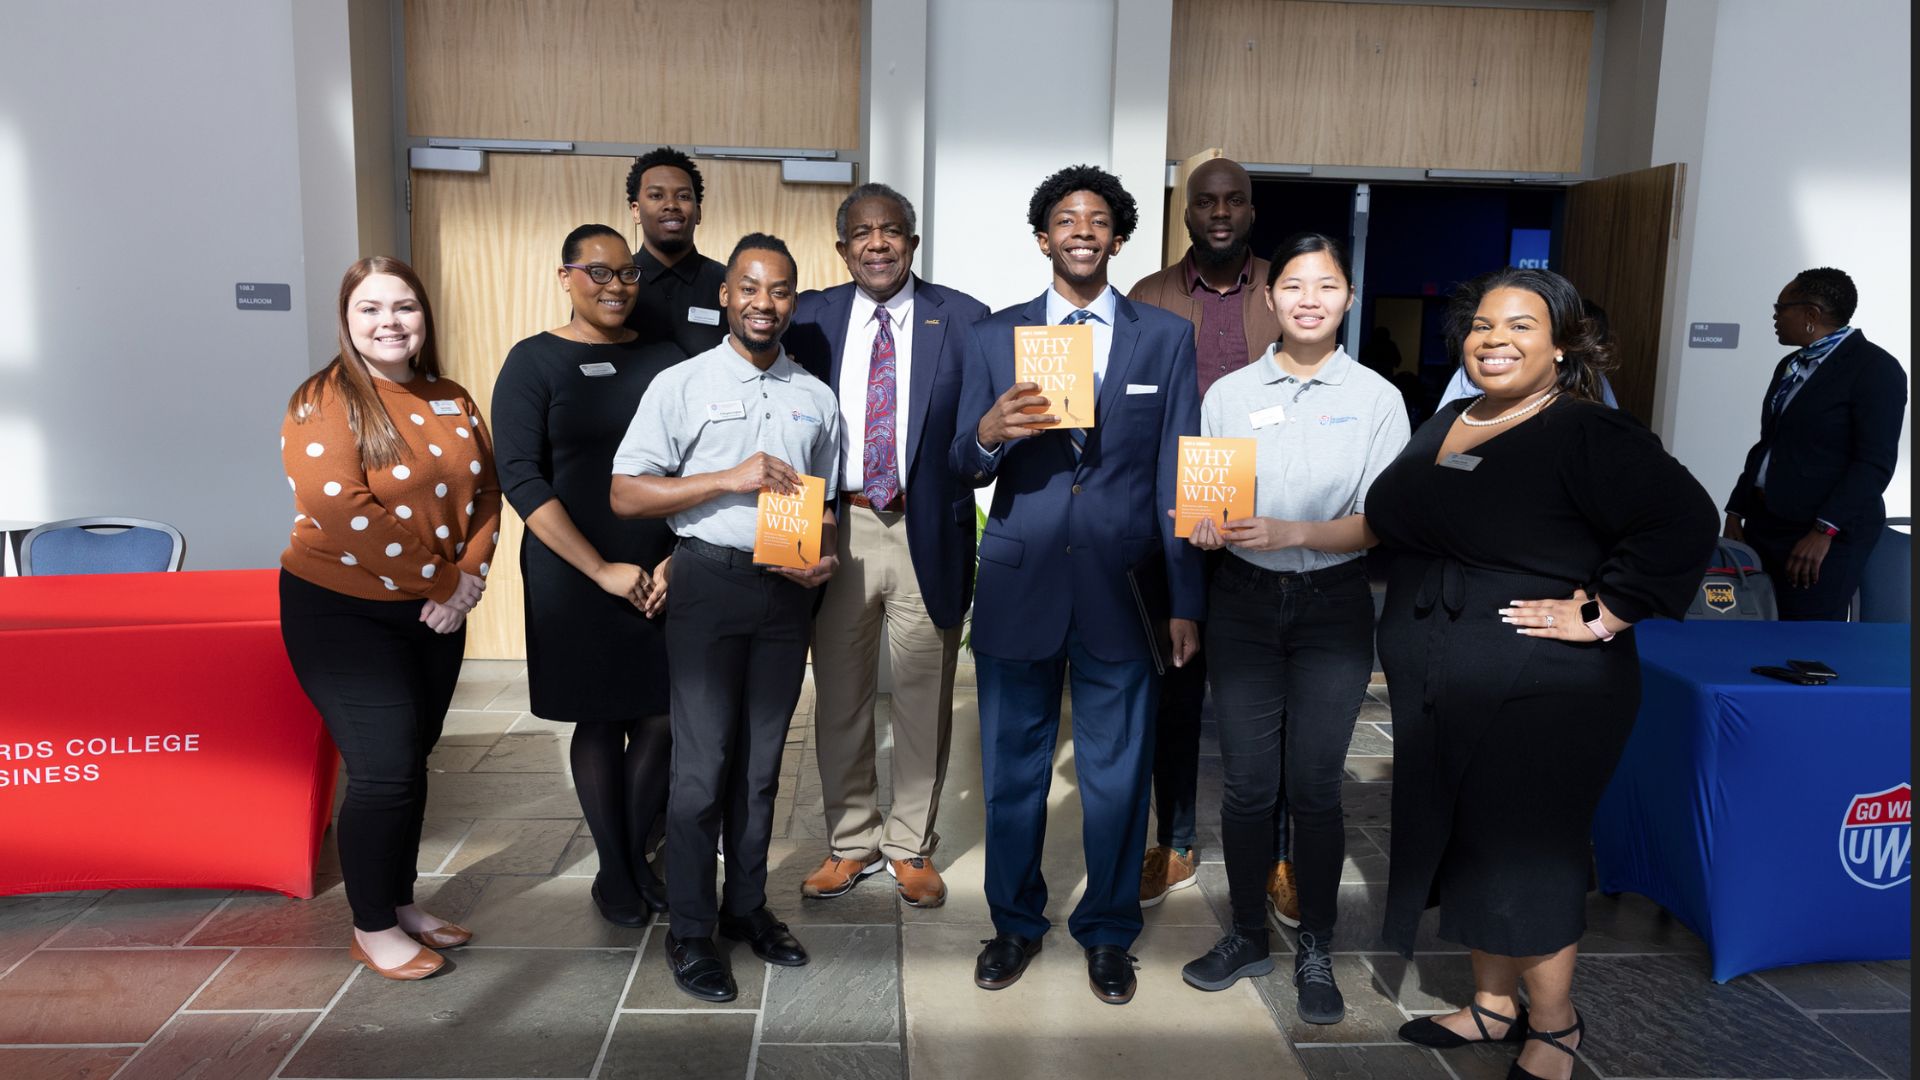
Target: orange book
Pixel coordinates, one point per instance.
(1059, 359)
(1215, 481)
(790, 526)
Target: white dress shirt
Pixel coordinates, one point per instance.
(1102, 308)
(856, 358)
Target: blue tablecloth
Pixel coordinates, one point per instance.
(1773, 819)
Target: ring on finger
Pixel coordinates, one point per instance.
(1549, 621)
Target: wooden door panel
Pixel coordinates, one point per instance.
(1616, 251)
(487, 247)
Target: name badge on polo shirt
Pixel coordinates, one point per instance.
(445, 408)
(1463, 462)
(597, 368)
(726, 410)
(705, 316)
(1272, 414)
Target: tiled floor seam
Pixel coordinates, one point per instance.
(759, 1022)
(202, 924)
(440, 870)
(613, 1022)
(1760, 977)
(182, 1008)
(54, 933)
(345, 985)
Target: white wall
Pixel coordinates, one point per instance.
(151, 155)
(1794, 120)
(1016, 90)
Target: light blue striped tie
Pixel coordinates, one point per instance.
(1077, 437)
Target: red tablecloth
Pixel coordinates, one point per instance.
(152, 735)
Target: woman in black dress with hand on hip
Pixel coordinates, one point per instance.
(1533, 527)
(593, 582)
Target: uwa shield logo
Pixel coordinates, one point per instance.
(1876, 838)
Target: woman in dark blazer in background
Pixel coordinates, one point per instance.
(1810, 497)
(595, 656)
(1533, 526)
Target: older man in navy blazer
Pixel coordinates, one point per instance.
(888, 344)
(1079, 525)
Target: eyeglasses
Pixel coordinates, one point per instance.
(602, 274)
(1778, 308)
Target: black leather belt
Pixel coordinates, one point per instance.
(725, 556)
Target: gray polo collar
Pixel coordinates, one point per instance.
(1333, 372)
(742, 369)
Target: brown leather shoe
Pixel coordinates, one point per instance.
(1283, 895)
(450, 936)
(424, 963)
(1163, 871)
(919, 882)
(837, 876)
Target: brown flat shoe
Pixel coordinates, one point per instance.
(450, 936)
(424, 963)
(837, 876)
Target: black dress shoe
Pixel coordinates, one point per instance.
(618, 914)
(766, 936)
(698, 970)
(1110, 972)
(1003, 961)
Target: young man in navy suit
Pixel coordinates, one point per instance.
(1078, 518)
(888, 343)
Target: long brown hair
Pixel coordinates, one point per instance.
(374, 435)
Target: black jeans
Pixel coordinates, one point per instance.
(382, 682)
(737, 639)
(1292, 654)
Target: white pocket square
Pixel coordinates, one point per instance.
(1142, 388)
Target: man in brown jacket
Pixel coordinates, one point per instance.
(1220, 287)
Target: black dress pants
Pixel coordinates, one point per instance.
(382, 682)
(736, 656)
(1292, 654)
(1840, 572)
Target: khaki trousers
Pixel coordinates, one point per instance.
(873, 588)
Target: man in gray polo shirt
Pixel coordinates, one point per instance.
(710, 434)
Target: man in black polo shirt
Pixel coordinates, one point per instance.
(679, 293)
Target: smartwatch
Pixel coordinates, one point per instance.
(1590, 614)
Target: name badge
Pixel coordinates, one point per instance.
(1463, 462)
(597, 368)
(705, 316)
(445, 408)
(726, 410)
(1272, 414)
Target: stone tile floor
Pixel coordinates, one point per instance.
(218, 986)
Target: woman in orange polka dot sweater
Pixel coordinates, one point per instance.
(399, 512)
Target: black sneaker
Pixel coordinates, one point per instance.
(1238, 955)
(1320, 1000)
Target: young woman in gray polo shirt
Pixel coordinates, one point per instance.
(1290, 616)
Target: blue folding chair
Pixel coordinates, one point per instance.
(1886, 588)
(102, 545)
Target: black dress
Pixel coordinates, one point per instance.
(1503, 743)
(559, 410)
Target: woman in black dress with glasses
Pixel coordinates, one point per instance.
(596, 657)
(1533, 526)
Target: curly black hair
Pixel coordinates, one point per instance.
(664, 155)
(1588, 354)
(1829, 290)
(1089, 178)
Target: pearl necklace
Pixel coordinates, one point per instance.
(1546, 396)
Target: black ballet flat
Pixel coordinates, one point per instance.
(1427, 1032)
(1551, 1038)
